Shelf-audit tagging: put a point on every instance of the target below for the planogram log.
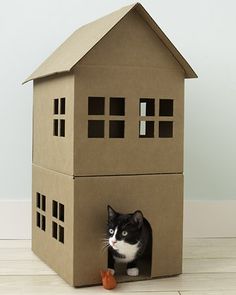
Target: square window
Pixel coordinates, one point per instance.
(43, 222)
(61, 212)
(38, 200)
(43, 203)
(62, 128)
(147, 107)
(54, 209)
(96, 105)
(37, 219)
(61, 234)
(166, 107)
(146, 129)
(117, 106)
(56, 106)
(96, 128)
(62, 106)
(54, 230)
(165, 129)
(55, 127)
(117, 129)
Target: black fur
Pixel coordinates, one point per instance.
(138, 230)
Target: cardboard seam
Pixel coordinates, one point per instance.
(108, 175)
(126, 66)
(52, 170)
(125, 175)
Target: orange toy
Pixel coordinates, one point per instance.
(108, 281)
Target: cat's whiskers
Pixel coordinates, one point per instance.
(105, 247)
(105, 242)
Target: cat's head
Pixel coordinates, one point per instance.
(123, 228)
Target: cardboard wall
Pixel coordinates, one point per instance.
(131, 154)
(137, 66)
(160, 197)
(131, 43)
(58, 187)
(49, 151)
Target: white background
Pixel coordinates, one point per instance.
(203, 31)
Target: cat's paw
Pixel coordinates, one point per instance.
(112, 271)
(133, 272)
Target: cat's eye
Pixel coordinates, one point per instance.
(124, 233)
(111, 231)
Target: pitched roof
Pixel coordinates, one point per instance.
(85, 38)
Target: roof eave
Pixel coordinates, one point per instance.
(189, 72)
(31, 77)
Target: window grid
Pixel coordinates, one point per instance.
(106, 117)
(41, 211)
(59, 111)
(156, 118)
(58, 215)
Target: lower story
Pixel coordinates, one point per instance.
(70, 217)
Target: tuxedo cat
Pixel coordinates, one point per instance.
(128, 237)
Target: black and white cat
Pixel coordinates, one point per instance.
(128, 237)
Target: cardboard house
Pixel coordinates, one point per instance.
(108, 122)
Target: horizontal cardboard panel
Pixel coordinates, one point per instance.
(98, 152)
(159, 197)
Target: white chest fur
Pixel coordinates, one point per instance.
(128, 250)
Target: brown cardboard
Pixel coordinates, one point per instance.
(60, 61)
(80, 259)
(52, 152)
(59, 187)
(160, 197)
(90, 152)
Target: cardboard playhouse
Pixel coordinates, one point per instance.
(108, 128)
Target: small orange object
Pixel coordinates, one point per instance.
(108, 280)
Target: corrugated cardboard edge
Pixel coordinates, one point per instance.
(94, 32)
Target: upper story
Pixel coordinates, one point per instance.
(110, 100)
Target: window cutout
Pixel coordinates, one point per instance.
(96, 105)
(61, 212)
(54, 209)
(165, 129)
(117, 129)
(62, 106)
(38, 219)
(62, 128)
(146, 129)
(117, 106)
(55, 127)
(54, 230)
(43, 203)
(147, 107)
(43, 222)
(38, 200)
(166, 107)
(56, 106)
(96, 128)
(61, 234)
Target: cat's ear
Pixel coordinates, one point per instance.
(137, 218)
(111, 212)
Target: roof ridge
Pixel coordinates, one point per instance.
(82, 40)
